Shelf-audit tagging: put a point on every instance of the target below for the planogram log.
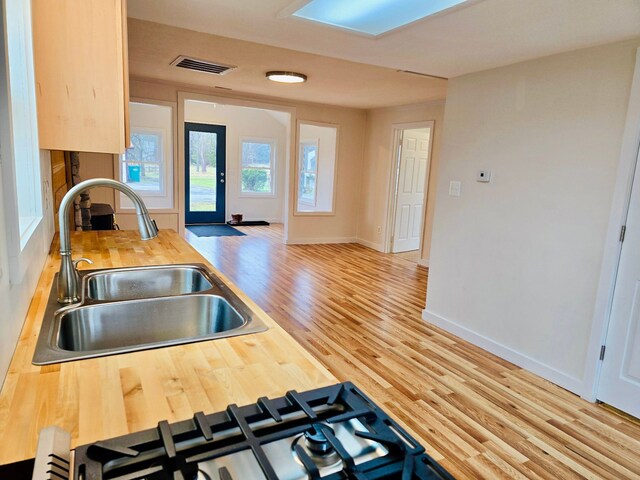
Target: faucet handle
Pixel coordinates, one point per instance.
(75, 263)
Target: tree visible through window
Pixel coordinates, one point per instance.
(257, 166)
(308, 172)
(203, 164)
(142, 164)
(147, 166)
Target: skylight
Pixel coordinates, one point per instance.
(372, 17)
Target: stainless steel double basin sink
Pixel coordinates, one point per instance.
(138, 308)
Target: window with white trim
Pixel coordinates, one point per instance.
(257, 160)
(142, 165)
(147, 165)
(316, 168)
(22, 188)
(308, 172)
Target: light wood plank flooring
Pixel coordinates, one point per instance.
(359, 312)
(412, 256)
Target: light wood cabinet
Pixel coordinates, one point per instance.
(81, 71)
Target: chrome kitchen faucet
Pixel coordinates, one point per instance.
(68, 277)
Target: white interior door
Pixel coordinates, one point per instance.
(411, 189)
(620, 376)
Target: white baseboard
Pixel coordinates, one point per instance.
(310, 241)
(572, 384)
(376, 246)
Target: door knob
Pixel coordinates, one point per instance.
(222, 180)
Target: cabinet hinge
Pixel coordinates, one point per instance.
(602, 349)
(623, 230)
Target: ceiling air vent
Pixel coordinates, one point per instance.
(202, 65)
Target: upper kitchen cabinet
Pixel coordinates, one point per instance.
(81, 71)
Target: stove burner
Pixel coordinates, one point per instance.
(316, 446)
(316, 441)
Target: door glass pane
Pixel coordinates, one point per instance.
(202, 171)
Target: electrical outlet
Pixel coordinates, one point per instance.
(454, 188)
(379, 229)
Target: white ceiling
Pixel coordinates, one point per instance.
(153, 47)
(483, 34)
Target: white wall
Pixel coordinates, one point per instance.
(19, 270)
(515, 263)
(253, 123)
(378, 171)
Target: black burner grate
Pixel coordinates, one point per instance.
(173, 451)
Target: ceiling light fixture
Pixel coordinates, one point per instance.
(286, 77)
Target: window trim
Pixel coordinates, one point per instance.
(174, 183)
(303, 143)
(272, 166)
(327, 213)
(19, 140)
(163, 162)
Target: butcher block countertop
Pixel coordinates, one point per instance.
(114, 395)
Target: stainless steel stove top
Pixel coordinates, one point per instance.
(331, 433)
(286, 462)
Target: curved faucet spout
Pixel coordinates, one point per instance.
(68, 276)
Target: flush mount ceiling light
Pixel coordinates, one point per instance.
(286, 77)
(371, 17)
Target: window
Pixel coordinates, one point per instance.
(142, 163)
(23, 191)
(147, 165)
(317, 156)
(308, 172)
(25, 182)
(257, 165)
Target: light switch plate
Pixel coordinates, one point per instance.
(454, 188)
(483, 176)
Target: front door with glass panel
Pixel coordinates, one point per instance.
(205, 149)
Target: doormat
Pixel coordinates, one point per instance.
(249, 223)
(220, 230)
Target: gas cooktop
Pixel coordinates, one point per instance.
(328, 433)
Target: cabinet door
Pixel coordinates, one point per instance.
(80, 69)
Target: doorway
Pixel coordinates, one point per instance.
(619, 384)
(205, 169)
(258, 147)
(412, 152)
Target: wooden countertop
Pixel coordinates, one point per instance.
(109, 396)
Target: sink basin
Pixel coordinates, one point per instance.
(165, 320)
(145, 282)
(129, 309)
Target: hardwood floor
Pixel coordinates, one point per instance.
(412, 255)
(359, 312)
